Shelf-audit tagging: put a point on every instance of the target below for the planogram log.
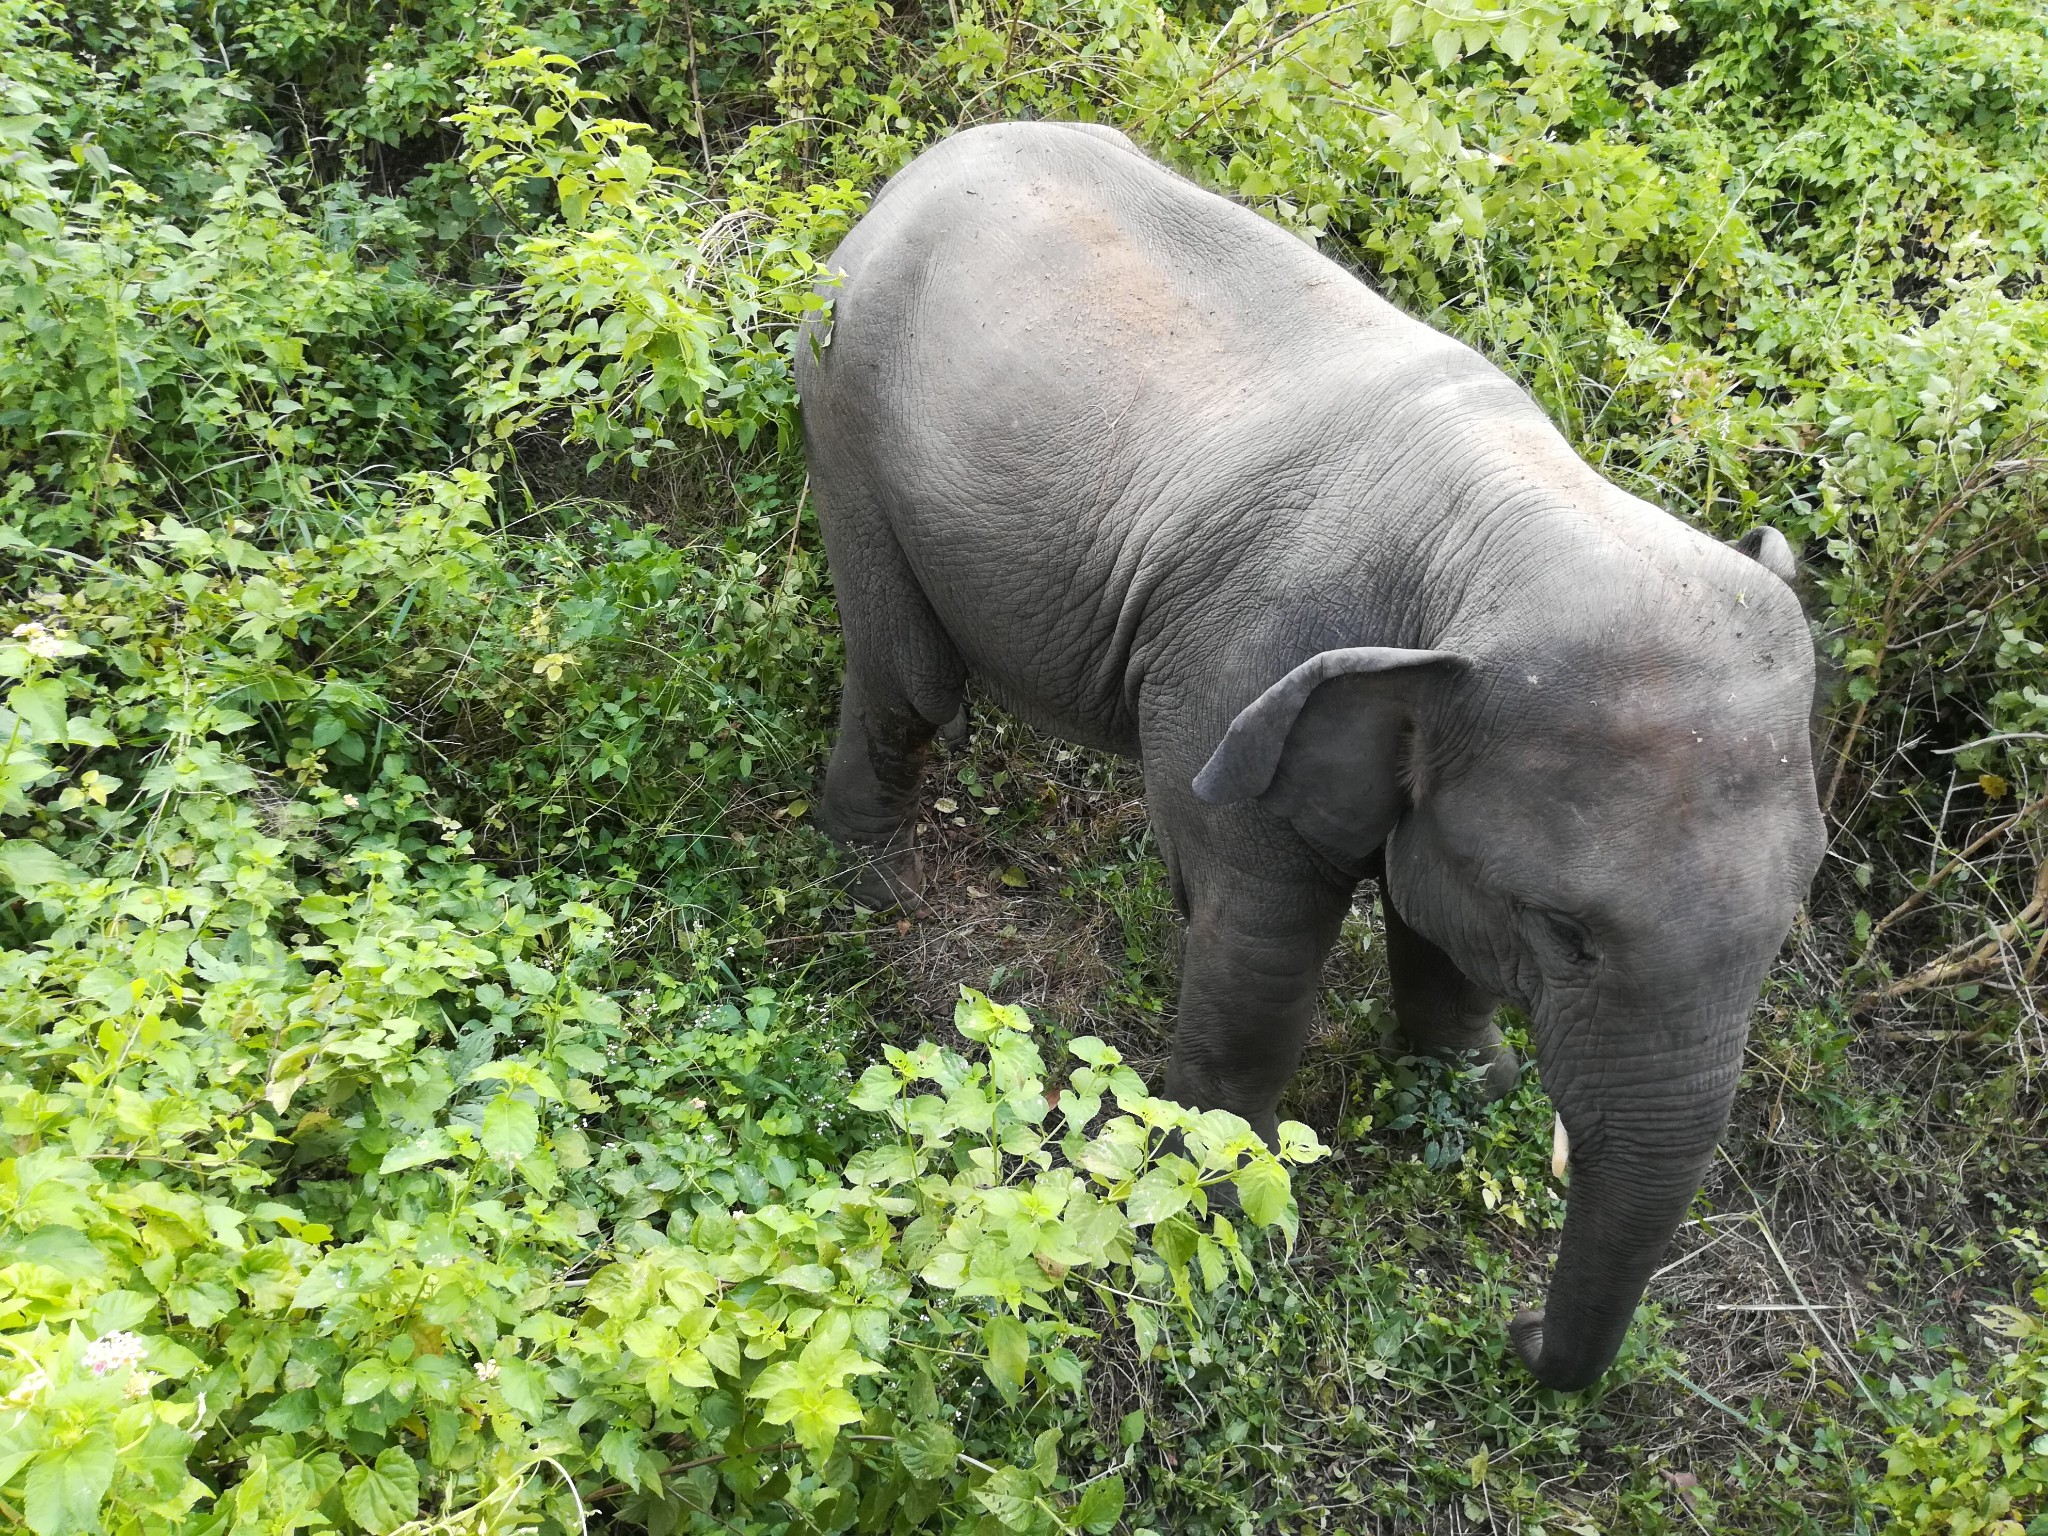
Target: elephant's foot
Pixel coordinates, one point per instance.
(1503, 1071)
(954, 732)
(1525, 1332)
(1500, 1068)
(885, 879)
(1199, 1091)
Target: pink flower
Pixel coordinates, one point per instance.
(115, 1352)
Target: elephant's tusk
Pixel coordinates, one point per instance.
(1560, 1147)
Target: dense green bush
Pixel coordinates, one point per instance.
(414, 655)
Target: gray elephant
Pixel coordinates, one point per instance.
(1174, 485)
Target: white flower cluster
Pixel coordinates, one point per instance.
(487, 1370)
(42, 642)
(116, 1352)
(29, 1388)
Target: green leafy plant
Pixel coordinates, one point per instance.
(1969, 1462)
(426, 1032)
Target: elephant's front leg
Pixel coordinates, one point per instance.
(1249, 977)
(1442, 1013)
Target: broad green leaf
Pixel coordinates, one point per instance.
(816, 1414)
(384, 1495)
(65, 1486)
(290, 1413)
(40, 706)
(365, 1380)
(1045, 1457)
(928, 1451)
(1144, 1328)
(429, 1148)
(1262, 1190)
(27, 866)
(815, 1278)
(1011, 1496)
(68, 1251)
(877, 1089)
(1299, 1144)
(159, 1464)
(511, 1128)
(1100, 1505)
(982, 1020)
(1161, 1193)
(533, 980)
(1174, 1241)
(525, 1387)
(891, 1163)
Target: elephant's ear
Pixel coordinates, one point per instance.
(1770, 549)
(1323, 745)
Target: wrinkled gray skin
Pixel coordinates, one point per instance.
(1174, 485)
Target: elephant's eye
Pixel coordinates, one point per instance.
(1563, 944)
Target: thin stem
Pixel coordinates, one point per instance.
(1977, 845)
(613, 1490)
(696, 100)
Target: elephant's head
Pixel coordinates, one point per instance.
(1600, 803)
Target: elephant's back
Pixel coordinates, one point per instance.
(1020, 242)
(1096, 408)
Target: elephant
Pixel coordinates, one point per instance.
(1169, 482)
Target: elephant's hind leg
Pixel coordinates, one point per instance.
(903, 678)
(1440, 1011)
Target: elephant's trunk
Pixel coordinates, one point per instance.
(1637, 1157)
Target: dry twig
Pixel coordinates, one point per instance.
(1966, 961)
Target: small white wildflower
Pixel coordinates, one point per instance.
(351, 802)
(30, 1387)
(117, 1351)
(487, 1370)
(41, 641)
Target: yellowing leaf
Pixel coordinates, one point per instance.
(1009, 1351)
